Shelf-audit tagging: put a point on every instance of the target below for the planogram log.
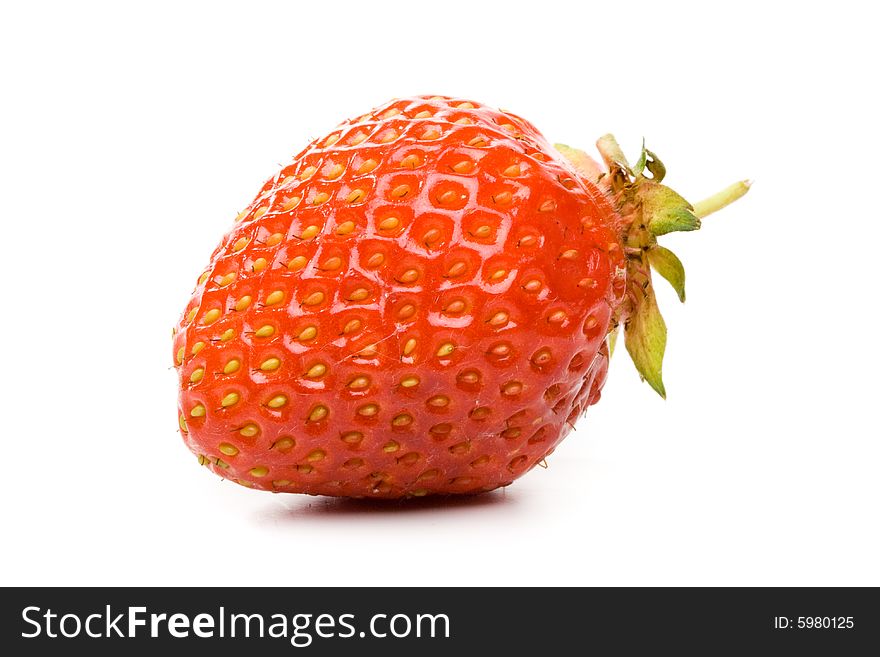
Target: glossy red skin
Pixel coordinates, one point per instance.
(506, 410)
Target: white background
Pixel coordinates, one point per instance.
(132, 136)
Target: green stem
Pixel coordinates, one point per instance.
(722, 199)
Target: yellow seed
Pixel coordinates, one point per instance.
(477, 141)
(359, 294)
(274, 239)
(265, 331)
(227, 335)
(240, 243)
(274, 298)
(557, 317)
(316, 371)
(570, 254)
(375, 260)
(357, 138)
(227, 450)
(390, 447)
(283, 444)
(281, 483)
(332, 139)
(354, 196)
(439, 401)
(402, 420)
(229, 399)
(345, 228)
(260, 212)
(352, 437)
(308, 333)
(243, 303)
(211, 316)
(286, 181)
(259, 471)
(512, 171)
(202, 278)
(411, 161)
(464, 121)
(547, 206)
(424, 114)
(297, 263)
(335, 171)
(270, 364)
(249, 430)
(197, 347)
(419, 492)
(367, 166)
(191, 314)
(482, 231)
(499, 318)
(351, 326)
(445, 349)
(409, 346)
(390, 113)
(368, 410)
(512, 388)
(316, 455)
(307, 173)
(500, 349)
(387, 136)
(498, 274)
(359, 383)
(332, 263)
(198, 411)
(226, 279)
(182, 422)
(290, 203)
(591, 322)
(197, 375)
(313, 299)
(232, 366)
(277, 401)
(532, 285)
(320, 197)
(304, 469)
(179, 357)
(407, 311)
(465, 166)
(502, 198)
(431, 134)
(318, 413)
(400, 191)
(448, 197)
(389, 223)
(241, 215)
(457, 269)
(455, 307)
(465, 105)
(409, 382)
(409, 276)
(260, 264)
(309, 232)
(369, 351)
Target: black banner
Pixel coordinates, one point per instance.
(450, 621)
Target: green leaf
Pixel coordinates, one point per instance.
(667, 264)
(665, 211)
(582, 163)
(639, 166)
(645, 338)
(612, 340)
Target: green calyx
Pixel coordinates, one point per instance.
(650, 210)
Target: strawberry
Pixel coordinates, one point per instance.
(423, 301)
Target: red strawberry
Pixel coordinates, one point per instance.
(421, 303)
